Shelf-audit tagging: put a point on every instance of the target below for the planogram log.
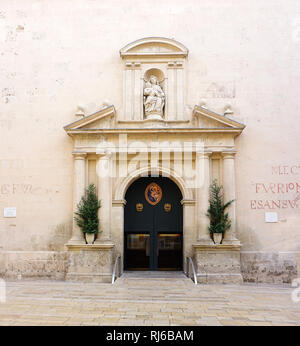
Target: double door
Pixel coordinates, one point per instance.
(153, 225)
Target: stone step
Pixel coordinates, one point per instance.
(149, 280)
(154, 274)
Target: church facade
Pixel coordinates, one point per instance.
(165, 131)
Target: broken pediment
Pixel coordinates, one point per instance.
(206, 118)
(154, 96)
(204, 121)
(104, 118)
(154, 46)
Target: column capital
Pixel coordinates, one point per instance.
(204, 154)
(104, 154)
(79, 155)
(228, 154)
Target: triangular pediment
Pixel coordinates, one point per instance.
(105, 120)
(154, 46)
(101, 119)
(209, 119)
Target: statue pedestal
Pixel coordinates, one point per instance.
(218, 263)
(90, 262)
(154, 116)
(154, 121)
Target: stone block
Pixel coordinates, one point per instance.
(218, 263)
(269, 267)
(34, 264)
(90, 263)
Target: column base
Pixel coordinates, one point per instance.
(205, 241)
(76, 240)
(101, 241)
(218, 263)
(90, 262)
(232, 241)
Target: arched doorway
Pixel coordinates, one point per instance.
(153, 225)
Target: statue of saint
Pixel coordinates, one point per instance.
(154, 97)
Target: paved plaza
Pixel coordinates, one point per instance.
(147, 299)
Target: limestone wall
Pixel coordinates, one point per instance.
(269, 267)
(34, 264)
(57, 54)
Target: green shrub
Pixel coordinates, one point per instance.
(87, 211)
(219, 220)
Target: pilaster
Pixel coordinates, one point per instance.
(79, 181)
(229, 194)
(202, 196)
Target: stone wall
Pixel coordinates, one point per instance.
(33, 264)
(218, 264)
(90, 263)
(269, 267)
(81, 265)
(256, 267)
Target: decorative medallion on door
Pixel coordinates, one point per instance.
(153, 193)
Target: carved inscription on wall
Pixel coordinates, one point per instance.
(218, 90)
(24, 189)
(278, 194)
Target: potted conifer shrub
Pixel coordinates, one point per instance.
(86, 216)
(219, 219)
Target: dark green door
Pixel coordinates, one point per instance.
(153, 225)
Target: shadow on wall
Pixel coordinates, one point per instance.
(60, 236)
(247, 236)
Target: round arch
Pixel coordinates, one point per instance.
(171, 174)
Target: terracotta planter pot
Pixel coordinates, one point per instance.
(217, 238)
(90, 238)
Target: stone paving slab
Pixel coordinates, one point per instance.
(147, 300)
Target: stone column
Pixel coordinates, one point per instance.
(202, 195)
(229, 194)
(105, 196)
(78, 192)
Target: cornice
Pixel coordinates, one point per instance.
(157, 130)
(131, 49)
(90, 247)
(215, 247)
(201, 111)
(103, 113)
